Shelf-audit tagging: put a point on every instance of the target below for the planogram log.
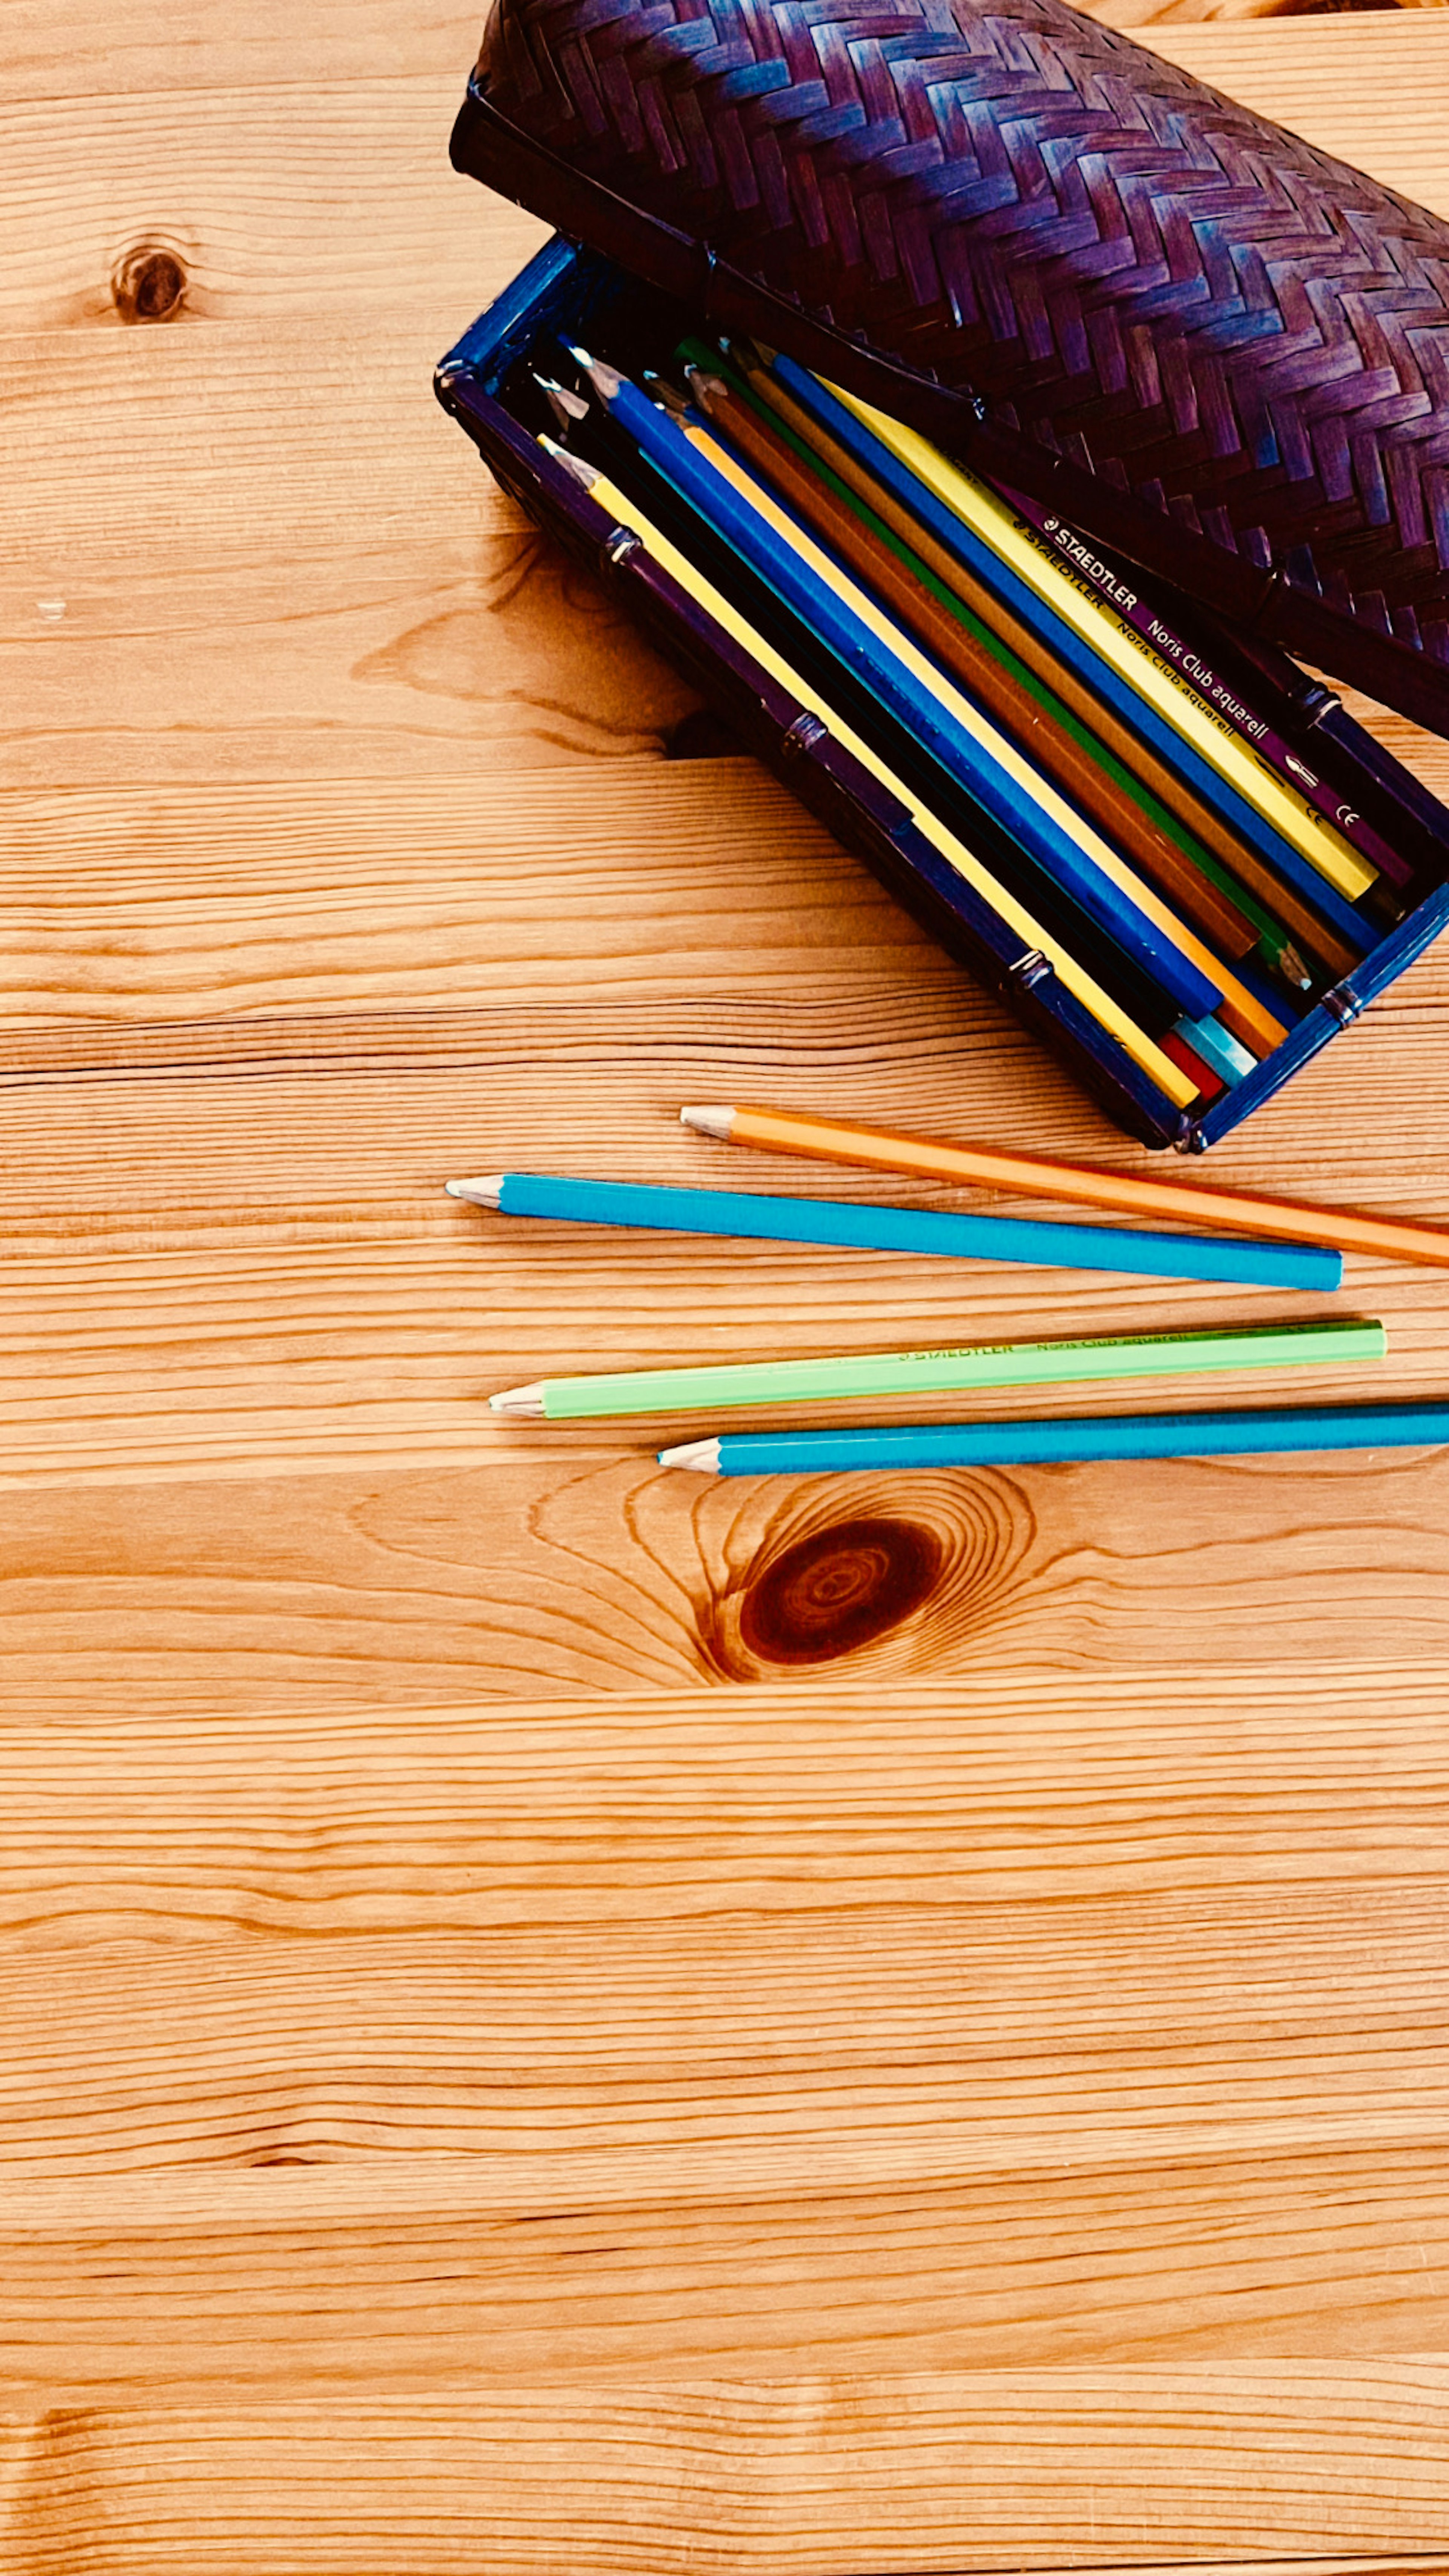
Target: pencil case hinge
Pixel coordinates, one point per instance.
(802, 735)
(1029, 970)
(1344, 1003)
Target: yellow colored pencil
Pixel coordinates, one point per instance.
(1142, 1049)
(1240, 1010)
(1290, 912)
(1124, 649)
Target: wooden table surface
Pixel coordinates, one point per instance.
(559, 2016)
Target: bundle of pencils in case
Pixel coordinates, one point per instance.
(1121, 793)
(1086, 787)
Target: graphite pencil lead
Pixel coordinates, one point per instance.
(606, 381)
(701, 1455)
(519, 1403)
(484, 1192)
(711, 1120)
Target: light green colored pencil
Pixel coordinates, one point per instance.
(967, 1364)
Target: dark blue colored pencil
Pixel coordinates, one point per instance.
(990, 786)
(1034, 613)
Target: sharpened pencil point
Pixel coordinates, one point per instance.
(709, 1121)
(586, 474)
(519, 1404)
(565, 406)
(701, 1455)
(667, 396)
(606, 381)
(485, 1192)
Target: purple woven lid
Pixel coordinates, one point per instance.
(1230, 351)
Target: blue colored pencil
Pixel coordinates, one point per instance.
(1231, 1062)
(969, 760)
(1071, 1437)
(1042, 620)
(853, 1224)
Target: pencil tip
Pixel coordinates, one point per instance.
(667, 396)
(575, 465)
(484, 1192)
(711, 1120)
(701, 1455)
(518, 1404)
(606, 381)
(565, 406)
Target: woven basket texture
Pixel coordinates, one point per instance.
(1130, 268)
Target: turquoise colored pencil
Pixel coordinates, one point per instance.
(972, 1364)
(1078, 1437)
(848, 1223)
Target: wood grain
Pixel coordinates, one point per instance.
(344, 598)
(818, 2478)
(267, 196)
(576, 1570)
(555, 2016)
(1055, 2024)
(281, 427)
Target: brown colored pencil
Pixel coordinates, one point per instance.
(1064, 759)
(1198, 818)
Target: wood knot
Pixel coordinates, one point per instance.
(839, 1589)
(805, 1585)
(148, 283)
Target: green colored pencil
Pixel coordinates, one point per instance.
(1275, 946)
(969, 1364)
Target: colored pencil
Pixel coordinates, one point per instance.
(1025, 638)
(1109, 634)
(1075, 1437)
(957, 542)
(852, 1225)
(1042, 725)
(748, 588)
(1210, 1084)
(754, 599)
(1094, 751)
(1115, 1022)
(978, 1364)
(752, 594)
(981, 760)
(1222, 1052)
(1247, 1023)
(829, 1140)
(1109, 582)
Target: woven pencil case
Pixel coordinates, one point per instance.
(490, 383)
(1215, 350)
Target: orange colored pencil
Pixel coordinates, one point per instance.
(829, 1140)
(1065, 758)
(1200, 819)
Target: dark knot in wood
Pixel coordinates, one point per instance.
(148, 283)
(839, 1589)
